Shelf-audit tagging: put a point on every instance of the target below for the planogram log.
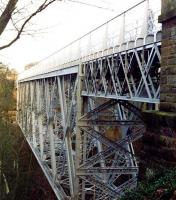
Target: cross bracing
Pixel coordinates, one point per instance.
(81, 117)
(47, 115)
(128, 75)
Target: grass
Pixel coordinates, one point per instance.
(158, 187)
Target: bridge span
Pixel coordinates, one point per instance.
(80, 108)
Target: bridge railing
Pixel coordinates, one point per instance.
(136, 22)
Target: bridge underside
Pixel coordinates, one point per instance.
(81, 125)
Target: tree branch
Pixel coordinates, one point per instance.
(42, 7)
(6, 15)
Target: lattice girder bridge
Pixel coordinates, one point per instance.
(81, 120)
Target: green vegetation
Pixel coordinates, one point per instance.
(14, 176)
(158, 119)
(18, 167)
(160, 186)
(7, 90)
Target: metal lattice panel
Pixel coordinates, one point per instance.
(108, 164)
(41, 119)
(48, 112)
(127, 75)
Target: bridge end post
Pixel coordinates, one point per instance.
(168, 64)
(161, 125)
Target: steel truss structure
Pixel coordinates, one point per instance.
(128, 75)
(84, 142)
(44, 115)
(79, 158)
(82, 114)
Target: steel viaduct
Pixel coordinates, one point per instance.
(80, 108)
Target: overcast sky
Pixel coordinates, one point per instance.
(61, 23)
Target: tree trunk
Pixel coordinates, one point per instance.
(6, 15)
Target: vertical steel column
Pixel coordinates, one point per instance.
(78, 131)
(19, 114)
(20, 104)
(23, 106)
(50, 129)
(27, 107)
(68, 143)
(33, 113)
(52, 149)
(40, 123)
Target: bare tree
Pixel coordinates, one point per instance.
(11, 11)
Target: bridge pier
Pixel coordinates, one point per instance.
(168, 63)
(105, 162)
(160, 138)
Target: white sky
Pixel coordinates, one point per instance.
(62, 22)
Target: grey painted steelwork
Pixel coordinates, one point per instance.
(132, 27)
(128, 75)
(45, 109)
(69, 128)
(79, 157)
(80, 118)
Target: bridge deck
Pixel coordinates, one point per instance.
(128, 72)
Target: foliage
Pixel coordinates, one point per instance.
(18, 167)
(7, 88)
(164, 180)
(10, 172)
(13, 174)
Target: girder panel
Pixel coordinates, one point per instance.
(48, 120)
(115, 161)
(129, 75)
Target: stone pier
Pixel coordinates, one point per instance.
(168, 65)
(160, 137)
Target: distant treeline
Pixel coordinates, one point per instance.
(7, 89)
